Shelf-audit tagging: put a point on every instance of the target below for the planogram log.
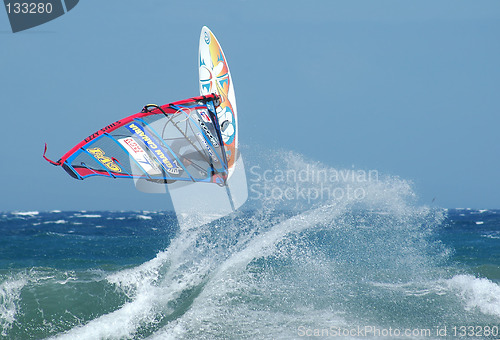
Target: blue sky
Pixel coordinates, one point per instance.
(407, 88)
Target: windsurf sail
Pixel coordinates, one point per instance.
(180, 141)
(183, 144)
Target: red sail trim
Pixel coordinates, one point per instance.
(47, 159)
(86, 172)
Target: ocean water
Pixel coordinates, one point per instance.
(295, 263)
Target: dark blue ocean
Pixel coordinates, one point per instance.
(326, 272)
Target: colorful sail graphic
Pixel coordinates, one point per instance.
(215, 77)
(180, 141)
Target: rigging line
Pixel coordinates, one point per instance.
(188, 118)
(208, 160)
(170, 119)
(221, 141)
(207, 140)
(91, 155)
(165, 145)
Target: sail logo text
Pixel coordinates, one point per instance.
(133, 145)
(209, 149)
(103, 130)
(170, 166)
(105, 160)
(137, 130)
(207, 132)
(140, 156)
(204, 115)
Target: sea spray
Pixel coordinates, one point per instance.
(10, 291)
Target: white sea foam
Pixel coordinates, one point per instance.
(51, 233)
(26, 213)
(10, 292)
(415, 288)
(150, 288)
(477, 293)
(493, 235)
(56, 222)
(137, 283)
(229, 279)
(130, 280)
(87, 215)
(143, 217)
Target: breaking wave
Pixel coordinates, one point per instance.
(295, 259)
